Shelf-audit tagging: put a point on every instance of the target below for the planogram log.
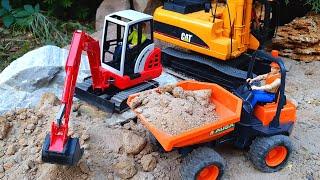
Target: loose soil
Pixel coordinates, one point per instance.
(110, 154)
(174, 110)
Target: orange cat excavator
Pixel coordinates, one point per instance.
(214, 36)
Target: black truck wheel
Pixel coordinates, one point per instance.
(270, 154)
(202, 164)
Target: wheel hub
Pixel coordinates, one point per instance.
(208, 173)
(276, 156)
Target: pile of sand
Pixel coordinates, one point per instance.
(175, 110)
(111, 151)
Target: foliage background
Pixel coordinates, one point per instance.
(28, 24)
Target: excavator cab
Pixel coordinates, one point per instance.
(125, 51)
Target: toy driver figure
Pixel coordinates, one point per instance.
(266, 93)
(133, 37)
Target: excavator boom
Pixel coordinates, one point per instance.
(59, 147)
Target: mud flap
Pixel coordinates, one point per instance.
(70, 155)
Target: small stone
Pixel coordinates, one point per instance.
(25, 167)
(39, 160)
(145, 101)
(9, 114)
(178, 92)
(39, 115)
(71, 132)
(76, 135)
(18, 158)
(33, 151)
(1, 175)
(12, 149)
(31, 127)
(7, 166)
(1, 169)
(4, 128)
(22, 116)
(85, 137)
(125, 169)
(110, 177)
(143, 176)
(309, 72)
(75, 107)
(30, 164)
(91, 111)
(84, 167)
(128, 115)
(22, 110)
(86, 146)
(48, 99)
(27, 131)
(146, 115)
(132, 143)
(139, 110)
(147, 149)
(148, 162)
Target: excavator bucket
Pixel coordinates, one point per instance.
(70, 155)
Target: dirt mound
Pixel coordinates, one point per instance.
(174, 110)
(300, 39)
(23, 132)
(110, 151)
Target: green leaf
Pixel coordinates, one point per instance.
(2, 12)
(21, 13)
(37, 8)
(6, 5)
(67, 3)
(8, 21)
(23, 22)
(29, 8)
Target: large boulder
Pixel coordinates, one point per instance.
(299, 39)
(39, 71)
(146, 6)
(108, 7)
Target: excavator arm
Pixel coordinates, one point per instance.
(59, 147)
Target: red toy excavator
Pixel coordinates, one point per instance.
(117, 72)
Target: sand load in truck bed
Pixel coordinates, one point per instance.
(175, 110)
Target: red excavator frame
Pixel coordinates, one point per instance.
(101, 79)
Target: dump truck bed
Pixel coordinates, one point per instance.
(228, 107)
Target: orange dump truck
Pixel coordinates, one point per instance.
(263, 129)
(228, 107)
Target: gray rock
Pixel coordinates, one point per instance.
(84, 167)
(146, 6)
(31, 127)
(30, 164)
(1, 169)
(12, 149)
(165, 79)
(108, 7)
(143, 176)
(125, 169)
(39, 71)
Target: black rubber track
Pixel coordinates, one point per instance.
(262, 145)
(197, 160)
